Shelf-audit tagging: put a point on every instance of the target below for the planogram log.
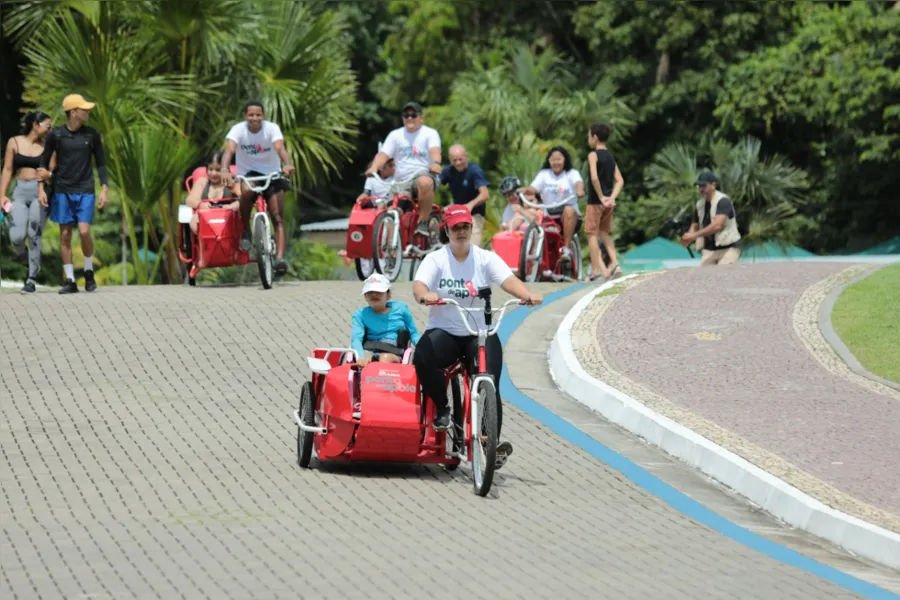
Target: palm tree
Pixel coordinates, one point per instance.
(173, 74)
(766, 190)
(108, 63)
(530, 94)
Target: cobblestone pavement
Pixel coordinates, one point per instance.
(149, 452)
(735, 353)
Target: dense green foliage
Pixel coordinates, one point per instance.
(796, 105)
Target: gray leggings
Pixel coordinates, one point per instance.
(28, 217)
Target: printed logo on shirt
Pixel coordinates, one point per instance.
(409, 152)
(254, 149)
(461, 288)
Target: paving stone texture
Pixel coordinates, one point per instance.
(149, 452)
(735, 353)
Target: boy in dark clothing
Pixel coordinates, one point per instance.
(73, 197)
(606, 184)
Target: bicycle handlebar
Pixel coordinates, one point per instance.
(463, 311)
(267, 178)
(563, 202)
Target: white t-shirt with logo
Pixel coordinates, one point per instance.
(553, 188)
(256, 151)
(373, 187)
(410, 151)
(449, 278)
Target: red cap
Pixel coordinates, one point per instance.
(456, 214)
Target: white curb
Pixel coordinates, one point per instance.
(763, 489)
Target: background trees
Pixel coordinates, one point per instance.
(797, 105)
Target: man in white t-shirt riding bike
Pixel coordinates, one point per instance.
(258, 148)
(458, 270)
(416, 150)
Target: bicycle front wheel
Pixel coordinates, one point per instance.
(263, 256)
(484, 437)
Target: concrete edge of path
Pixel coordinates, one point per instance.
(831, 336)
(773, 495)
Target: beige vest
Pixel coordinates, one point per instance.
(725, 236)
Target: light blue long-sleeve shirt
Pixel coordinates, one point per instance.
(369, 326)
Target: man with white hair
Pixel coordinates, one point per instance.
(469, 186)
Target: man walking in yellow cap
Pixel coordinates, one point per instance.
(74, 192)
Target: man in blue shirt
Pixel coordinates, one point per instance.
(469, 186)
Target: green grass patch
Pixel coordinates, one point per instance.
(611, 291)
(867, 317)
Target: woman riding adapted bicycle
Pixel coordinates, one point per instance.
(458, 270)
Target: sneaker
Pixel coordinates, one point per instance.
(567, 252)
(422, 229)
(28, 288)
(280, 267)
(89, 283)
(504, 450)
(69, 287)
(246, 241)
(442, 420)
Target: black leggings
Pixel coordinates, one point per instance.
(437, 350)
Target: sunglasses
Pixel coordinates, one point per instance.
(410, 115)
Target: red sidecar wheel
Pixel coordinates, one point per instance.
(307, 416)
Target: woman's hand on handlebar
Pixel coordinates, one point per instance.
(429, 297)
(533, 299)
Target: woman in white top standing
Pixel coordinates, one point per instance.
(556, 181)
(458, 270)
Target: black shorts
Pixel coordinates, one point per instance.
(275, 186)
(557, 214)
(404, 205)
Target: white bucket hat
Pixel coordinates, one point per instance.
(376, 283)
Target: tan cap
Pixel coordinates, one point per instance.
(73, 101)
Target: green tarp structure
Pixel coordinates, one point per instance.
(888, 247)
(649, 256)
(772, 250)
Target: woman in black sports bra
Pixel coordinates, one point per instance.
(27, 216)
(211, 191)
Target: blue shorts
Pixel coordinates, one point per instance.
(68, 209)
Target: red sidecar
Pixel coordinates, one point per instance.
(374, 413)
(216, 243)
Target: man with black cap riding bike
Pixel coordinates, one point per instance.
(416, 150)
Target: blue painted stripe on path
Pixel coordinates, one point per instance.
(657, 487)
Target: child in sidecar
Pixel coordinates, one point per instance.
(509, 187)
(385, 327)
(375, 188)
(209, 190)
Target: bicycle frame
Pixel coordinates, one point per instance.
(542, 244)
(410, 250)
(262, 207)
(472, 381)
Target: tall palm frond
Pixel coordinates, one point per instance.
(115, 71)
(28, 18)
(672, 171)
(301, 73)
(199, 35)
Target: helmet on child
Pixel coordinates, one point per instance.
(509, 184)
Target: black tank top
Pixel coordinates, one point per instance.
(226, 193)
(21, 161)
